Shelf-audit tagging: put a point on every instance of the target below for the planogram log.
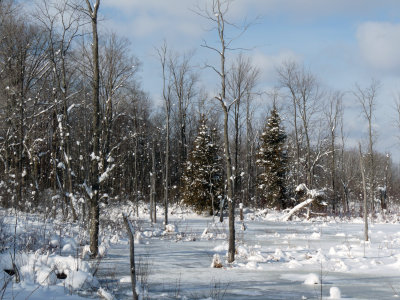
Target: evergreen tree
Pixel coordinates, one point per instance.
(202, 178)
(272, 158)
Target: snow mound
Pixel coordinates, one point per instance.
(105, 294)
(42, 269)
(256, 257)
(293, 264)
(252, 265)
(278, 254)
(77, 280)
(312, 279)
(67, 248)
(335, 293)
(138, 238)
(170, 228)
(221, 248)
(125, 279)
(315, 236)
(242, 251)
(207, 235)
(339, 266)
(45, 276)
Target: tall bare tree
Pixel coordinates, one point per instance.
(241, 81)
(166, 94)
(92, 12)
(333, 112)
(61, 22)
(117, 72)
(23, 65)
(364, 188)
(184, 90)
(217, 14)
(367, 98)
(305, 96)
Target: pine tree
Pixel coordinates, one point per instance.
(272, 158)
(202, 178)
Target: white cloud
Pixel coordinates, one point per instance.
(268, 63)
(145, 18)
(309, 9)
(144, 25)
(379, 44)
(154, 8)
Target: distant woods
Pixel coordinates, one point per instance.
(78, 131)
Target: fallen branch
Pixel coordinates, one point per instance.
(297, 208)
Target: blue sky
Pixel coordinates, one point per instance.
(341, 41)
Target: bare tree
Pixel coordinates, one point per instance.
(367, 98)
(23, 66)
(61, 23)
(287, 77)
(184, 90)
(117, 72)
(364, 188)
(333, 112)
(305, 95)
(153, 206)
(251, 136)
(241, 81)
(216, 14)
(92, 12)
(166, 94)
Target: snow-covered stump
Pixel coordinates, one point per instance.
(131, 234)
(216, 262)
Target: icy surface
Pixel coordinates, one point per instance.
(275, 260)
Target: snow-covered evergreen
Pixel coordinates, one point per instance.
(272, 158)
(202, 178)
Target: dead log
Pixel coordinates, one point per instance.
(297, 208)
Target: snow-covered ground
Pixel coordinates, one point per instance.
(275, 260)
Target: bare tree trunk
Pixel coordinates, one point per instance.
(249, 154)
(166, 93)
(236, 177)
(20, 178)
(153, 206)
(231, 200)
(136, 176)
(94, 200)
(332, 113)
(367, 98)
(216, 14)
(228, 162)
(166, 179)
(365, 195)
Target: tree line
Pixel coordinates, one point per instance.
(78, 131)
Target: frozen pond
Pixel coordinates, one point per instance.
(274, 261)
